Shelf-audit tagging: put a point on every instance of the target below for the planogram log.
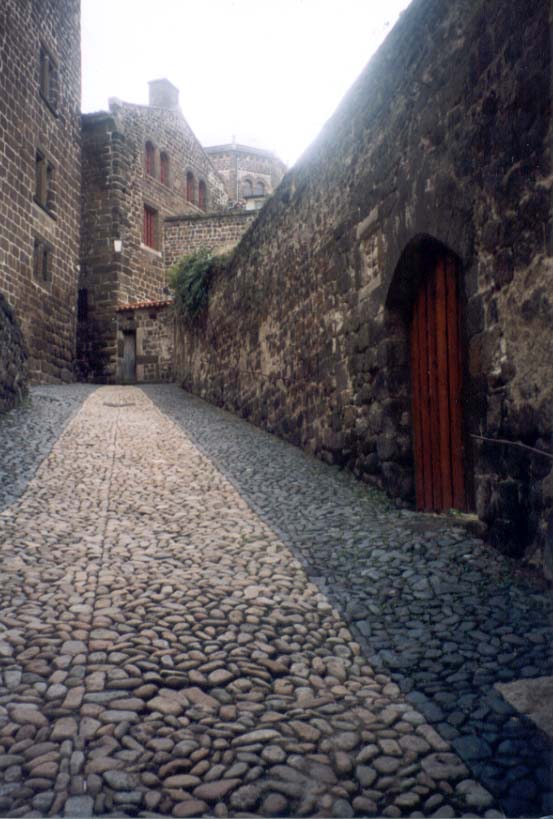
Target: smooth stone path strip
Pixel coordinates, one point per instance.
(162, 651)
(445, 616)
(28, 433)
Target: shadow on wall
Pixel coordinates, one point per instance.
(13, 359)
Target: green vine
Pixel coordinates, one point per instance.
(190, 280)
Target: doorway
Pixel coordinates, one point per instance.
(129, 357)
(436, 384)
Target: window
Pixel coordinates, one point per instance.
(247, 188)
(164, 168)
(190, 186)
(42, 261)
(48, 78)
(259, 188)
(150, 227)
(44, 173)
(202, 195)
(82, 305)
(149, 163)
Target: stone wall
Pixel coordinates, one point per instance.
(116, 188)
(221, 231)
(13, 359)
(40, 115)
(153, 327)
(443, 143)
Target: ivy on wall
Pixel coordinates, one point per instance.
(190, 280)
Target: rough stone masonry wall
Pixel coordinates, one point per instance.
(44, 309)
(13, 359)
(221, 231)
(443, 138)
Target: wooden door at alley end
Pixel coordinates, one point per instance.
(129, 357)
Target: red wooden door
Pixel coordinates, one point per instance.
(436, 390)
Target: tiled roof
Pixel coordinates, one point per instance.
(141, 305)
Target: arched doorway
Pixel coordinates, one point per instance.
(436, 383)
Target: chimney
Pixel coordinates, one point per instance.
(163, 94)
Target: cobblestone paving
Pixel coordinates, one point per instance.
(28, 433)
(164, 652)
(442, 614)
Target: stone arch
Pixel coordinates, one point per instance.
(421, 255)
(247, 188)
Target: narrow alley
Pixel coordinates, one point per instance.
(198, 619)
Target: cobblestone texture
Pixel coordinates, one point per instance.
(163, 650)
(28, 433)
(443, 614)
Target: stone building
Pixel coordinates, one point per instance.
(146, 342)
(250, 174)
(40, 81)
(141, 164)
(391, 307)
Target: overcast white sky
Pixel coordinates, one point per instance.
(270, 72)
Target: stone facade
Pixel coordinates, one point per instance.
(216, 231)
(145, 342)
(40, 80)
(13, 359)
(250, 174)
(442, 146)
(136, 158)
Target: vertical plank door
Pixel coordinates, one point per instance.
(436, 389)
(129, 358)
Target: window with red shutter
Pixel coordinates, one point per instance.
(149, 159)
(150, 216)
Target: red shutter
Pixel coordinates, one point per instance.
(149, 159)
(149, 227)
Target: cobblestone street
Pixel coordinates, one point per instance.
(199, 619)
